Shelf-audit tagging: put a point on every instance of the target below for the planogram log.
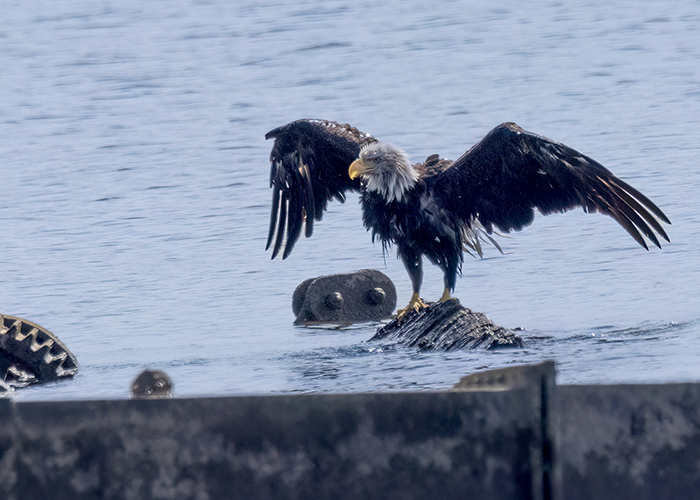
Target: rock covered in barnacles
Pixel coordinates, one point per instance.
(31, 354)
(448, 326)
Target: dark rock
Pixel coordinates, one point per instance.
(447, 326)
(366, 295)
(152, 384)
(30, 354)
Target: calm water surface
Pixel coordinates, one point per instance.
(135, 195)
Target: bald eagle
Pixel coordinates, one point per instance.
(440, 208)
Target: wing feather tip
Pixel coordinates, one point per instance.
(637, 210)
(309, 230)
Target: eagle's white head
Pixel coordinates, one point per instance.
(384, 169)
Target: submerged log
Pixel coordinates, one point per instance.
(448, 326)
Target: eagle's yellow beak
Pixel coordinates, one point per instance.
(357, 168)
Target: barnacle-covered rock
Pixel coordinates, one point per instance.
(31, 354)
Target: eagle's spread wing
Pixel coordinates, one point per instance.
(310, 161)
(503, 178)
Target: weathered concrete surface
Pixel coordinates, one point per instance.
(366, 295)
(9, 450)
(491, 437)
(539, 383)
(403, 446)
(448, 326)
(30, 354)
(538, 378)
(633, 442)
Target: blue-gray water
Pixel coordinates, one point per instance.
(135, 196)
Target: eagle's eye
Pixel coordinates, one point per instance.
(375, 159)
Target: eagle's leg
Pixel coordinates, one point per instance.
(414, 266)
(450, 279)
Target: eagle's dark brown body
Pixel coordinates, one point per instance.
(438, 208)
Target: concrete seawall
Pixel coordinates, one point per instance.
(508, 435)
(638, 442)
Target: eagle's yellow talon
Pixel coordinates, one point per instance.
(415, 304)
